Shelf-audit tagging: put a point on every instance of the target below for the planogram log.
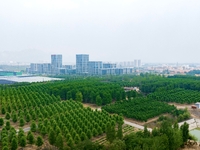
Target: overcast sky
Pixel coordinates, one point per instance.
(107, 30)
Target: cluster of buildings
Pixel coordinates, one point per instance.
(169, 69)
(83, 67)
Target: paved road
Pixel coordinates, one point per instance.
(25, 129)
(193, 123)
(136, 125)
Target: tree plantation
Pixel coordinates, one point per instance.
(176, 95)
(149, 83)
(52, 114)
(62, 122)
(89, 91)
(140, 108)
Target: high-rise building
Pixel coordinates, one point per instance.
(82, 63)
(94, 67)
(139, 63)
(36, 68)
(56, 63)
(46, 68)
(135, 63)
(33, 68)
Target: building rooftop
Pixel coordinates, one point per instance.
(29, 79)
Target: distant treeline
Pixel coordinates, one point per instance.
(193, 72)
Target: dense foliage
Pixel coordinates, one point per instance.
(53, 110)
(85, 90)
(89, 89)
(68, 120)
(149, 83)
(176, 95)
(139, 108)
(166, 137)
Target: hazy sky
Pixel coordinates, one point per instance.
(107, 30)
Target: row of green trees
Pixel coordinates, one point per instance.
(141, 108)
(176, 95)
(51, 117)
(102, 91)
(11, 139)
(149, 83)
(167, 137)
(91, 91)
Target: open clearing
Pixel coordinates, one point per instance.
(195, 113)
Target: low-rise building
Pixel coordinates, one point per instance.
(197, 105)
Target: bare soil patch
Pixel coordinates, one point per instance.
(195, 113)
(191, 145)
(191, 148)
(93, 106)
(154, 123)
(181, 106)
(134, 121)
(142, 123)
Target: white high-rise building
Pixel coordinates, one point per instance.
(56, 63)
(94, 67)
(139, 63)
(82, 63)
(135, 63)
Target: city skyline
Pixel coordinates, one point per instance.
(154, 31)
(84, 66)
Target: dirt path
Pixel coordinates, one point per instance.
(93, 106)
(181, 106)
(136, 125)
